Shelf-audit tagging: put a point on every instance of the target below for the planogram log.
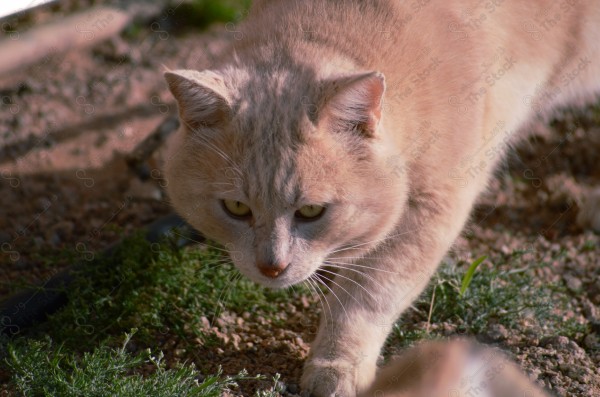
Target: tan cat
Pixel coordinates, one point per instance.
(356, 135)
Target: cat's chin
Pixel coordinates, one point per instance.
(284, 281)
(278, 283)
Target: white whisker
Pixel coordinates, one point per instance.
(200, 242)
(202, 139)
(369, 242)
(186, 237)
(334, 294)
(315, 289)
(342, 288)
(223, 293)
(361, 266)
(357, 283)
(216, 264)
(348, 278)
(357, 257)
(324, 301)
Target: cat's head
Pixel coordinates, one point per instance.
(284, 168)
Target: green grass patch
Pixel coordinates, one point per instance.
(470, 299)
(42, 369)
(220, 10)
(201, 13)
(493, 296)
(181, 16)
(159, 289)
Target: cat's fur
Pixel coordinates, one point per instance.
(393, 114)
(452, 369)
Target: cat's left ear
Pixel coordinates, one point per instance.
(202, 97)
(355, 102)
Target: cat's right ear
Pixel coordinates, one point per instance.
(355, 102)
(202, 97)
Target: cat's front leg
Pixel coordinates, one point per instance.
(343, 357)
(366, 300)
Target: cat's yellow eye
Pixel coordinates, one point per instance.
(236, 208)
(310, 212)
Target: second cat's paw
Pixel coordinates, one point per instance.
(328, 379)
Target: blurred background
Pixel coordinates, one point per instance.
(80, 87)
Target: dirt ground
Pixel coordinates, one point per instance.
(67, 122)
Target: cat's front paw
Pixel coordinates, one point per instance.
(323, 378)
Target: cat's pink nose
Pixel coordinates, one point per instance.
(271, 270)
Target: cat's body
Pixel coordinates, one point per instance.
(380, 122)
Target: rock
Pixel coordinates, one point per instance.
(448, 329)
(589, 211)
(534, 373)
(236, 341)
(555, 341)
(579, 373)
(566, 368)
(292, 388)
(563, 189)
(143, 190)
(59, 232)
(573, 283)
(496, 333)
(575, 349)
(589, 309)
(595, 324)
(560, 391)
(591, 342)
(205, 322)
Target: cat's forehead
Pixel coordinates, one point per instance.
(273, 138)
(275, 90)
(275, 174)
(273, 177)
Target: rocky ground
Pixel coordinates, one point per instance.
(67, 122)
